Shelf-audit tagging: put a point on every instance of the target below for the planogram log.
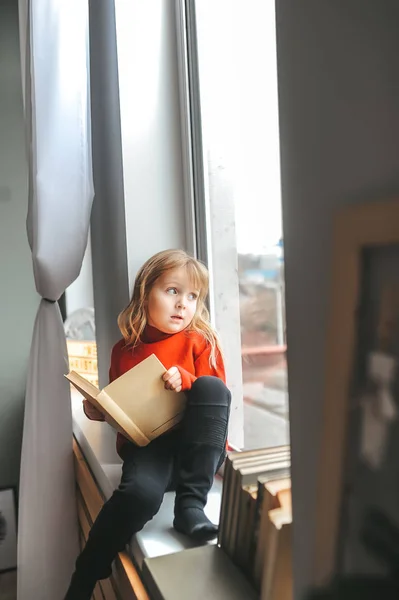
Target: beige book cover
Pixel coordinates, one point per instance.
(277, 580)
(137, 403)
(277, 567)
(272, 492)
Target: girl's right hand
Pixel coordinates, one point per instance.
(173, 379)
(92, 412)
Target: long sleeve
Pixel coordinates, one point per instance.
(115, 361)
(203, 367)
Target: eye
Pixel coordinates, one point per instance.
(172, 291)
(192, 296)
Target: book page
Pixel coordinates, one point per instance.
(87, 389)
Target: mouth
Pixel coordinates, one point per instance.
(177, 318)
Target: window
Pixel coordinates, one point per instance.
(231, 106)
(79, 322)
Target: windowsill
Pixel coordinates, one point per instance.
(158, 538)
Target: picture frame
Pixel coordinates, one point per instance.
(8, 529)
(357, 229)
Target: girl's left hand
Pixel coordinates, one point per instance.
(173, 380)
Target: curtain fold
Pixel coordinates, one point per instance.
(55, 76)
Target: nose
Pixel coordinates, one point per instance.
(181, 303)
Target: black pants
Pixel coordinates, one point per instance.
(151, 470)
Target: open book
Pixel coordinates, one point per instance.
(137, 403)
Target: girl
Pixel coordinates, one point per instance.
(166, 316)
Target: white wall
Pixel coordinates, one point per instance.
(138, 206)
(150, 125)
(339, 118)
(18, 298)
(108, 225)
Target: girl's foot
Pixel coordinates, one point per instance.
(192, 521)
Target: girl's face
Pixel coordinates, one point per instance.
(172, 301)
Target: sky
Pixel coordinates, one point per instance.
(238, 76)
(257, 178)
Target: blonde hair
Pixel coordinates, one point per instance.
(133, 319)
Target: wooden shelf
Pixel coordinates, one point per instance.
(125, 583)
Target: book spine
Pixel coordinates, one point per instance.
(257, 519)
(223, 508)
(125, 424)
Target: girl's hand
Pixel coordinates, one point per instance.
(91, 411)
(173, 380)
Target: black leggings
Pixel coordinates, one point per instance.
(151, 470)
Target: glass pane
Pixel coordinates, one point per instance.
(79, 324)
(238, 92)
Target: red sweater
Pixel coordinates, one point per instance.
(187, 350)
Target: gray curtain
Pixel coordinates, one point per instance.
(55, 63)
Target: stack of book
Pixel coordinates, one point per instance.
(256, 517)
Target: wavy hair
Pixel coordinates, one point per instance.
(133, 319)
